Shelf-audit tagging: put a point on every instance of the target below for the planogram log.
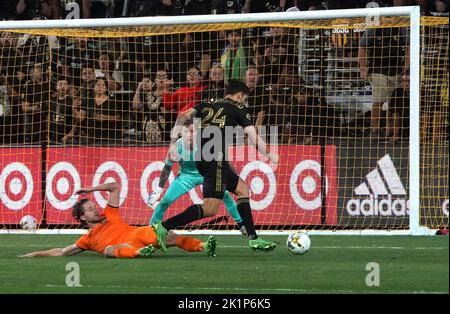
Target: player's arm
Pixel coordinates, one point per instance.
(67, 251)
(259, 143)
(182, 118)
(113, 188)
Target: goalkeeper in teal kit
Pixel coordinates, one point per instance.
(187, 179)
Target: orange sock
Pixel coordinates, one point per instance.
(189, 244)
(125, 252)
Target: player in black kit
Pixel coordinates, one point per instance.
(216, 121)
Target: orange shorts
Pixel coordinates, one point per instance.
(142, 236)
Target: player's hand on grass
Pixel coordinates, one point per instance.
(154, 197)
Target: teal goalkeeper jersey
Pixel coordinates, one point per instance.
(186, 159)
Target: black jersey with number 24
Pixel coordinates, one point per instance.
(217, 121)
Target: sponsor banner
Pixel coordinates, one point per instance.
(373, 186)
(286, 195)
(20, 184)
(434, 187)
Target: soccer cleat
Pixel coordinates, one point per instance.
(161, 234)
(210, 246)
(262, 245)
(147, 251)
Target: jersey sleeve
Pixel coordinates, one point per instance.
(112, 213)
(83, 242)
(243, 117)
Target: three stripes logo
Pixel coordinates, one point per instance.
(381, 194)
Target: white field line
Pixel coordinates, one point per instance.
(236, 289)
(313, 247)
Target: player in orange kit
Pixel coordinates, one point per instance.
(111, 236)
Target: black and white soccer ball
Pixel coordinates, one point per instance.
(298, 243)
(28, 222)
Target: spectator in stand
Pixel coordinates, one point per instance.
(192, 7)
(76, 56)
(216, 84)
(188, 96)
(5, 109)
(259, 6)
(34, 99)
(429, 6)
(150, 7)
(398, 112)
(234, 57)
(86, 88)
(381, 54)
(103, 116)
(10, 56)
(156, 120)
(227, 6)
(259, 97)
(8, 10)
(63, 115)
(106, 69)
(31, 9)
(275, 55)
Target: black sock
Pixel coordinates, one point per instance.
(243, 206)
(192, 213)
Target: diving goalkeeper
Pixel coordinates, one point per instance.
(187, 179)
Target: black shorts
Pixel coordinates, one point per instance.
(218, 177)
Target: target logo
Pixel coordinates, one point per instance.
(305, 185)
(16, 186)
(150, 178)
(63, 180)
(107, 172)
(258, 185)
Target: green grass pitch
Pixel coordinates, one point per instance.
(335, 264)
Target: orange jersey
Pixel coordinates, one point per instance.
(112, 231)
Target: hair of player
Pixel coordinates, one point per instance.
(78, 210)
(188, 123)
(236, 86)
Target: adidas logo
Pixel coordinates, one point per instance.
(381, 194)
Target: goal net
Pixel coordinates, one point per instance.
(90, 101)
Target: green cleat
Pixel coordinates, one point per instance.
(147, 251)
(262, 245)
(210, 246)
(161, 234)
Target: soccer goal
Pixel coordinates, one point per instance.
(354, 101)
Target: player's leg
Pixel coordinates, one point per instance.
(127, 251)
(243, 205)
(231, 207)
(213, 192)
(175, 191)
(192, 244)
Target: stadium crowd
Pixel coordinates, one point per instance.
(130, 90)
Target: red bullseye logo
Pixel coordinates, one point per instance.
(16, 186)
(63, 180)
(305, 185)
(262, 183)
(110, 171)
(150, 178)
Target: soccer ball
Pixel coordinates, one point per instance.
(28, 222)
(298, 243)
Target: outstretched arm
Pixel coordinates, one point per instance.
(113, 188)
(259, 143)
(67, 251)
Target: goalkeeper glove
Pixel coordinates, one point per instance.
(154, 197)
